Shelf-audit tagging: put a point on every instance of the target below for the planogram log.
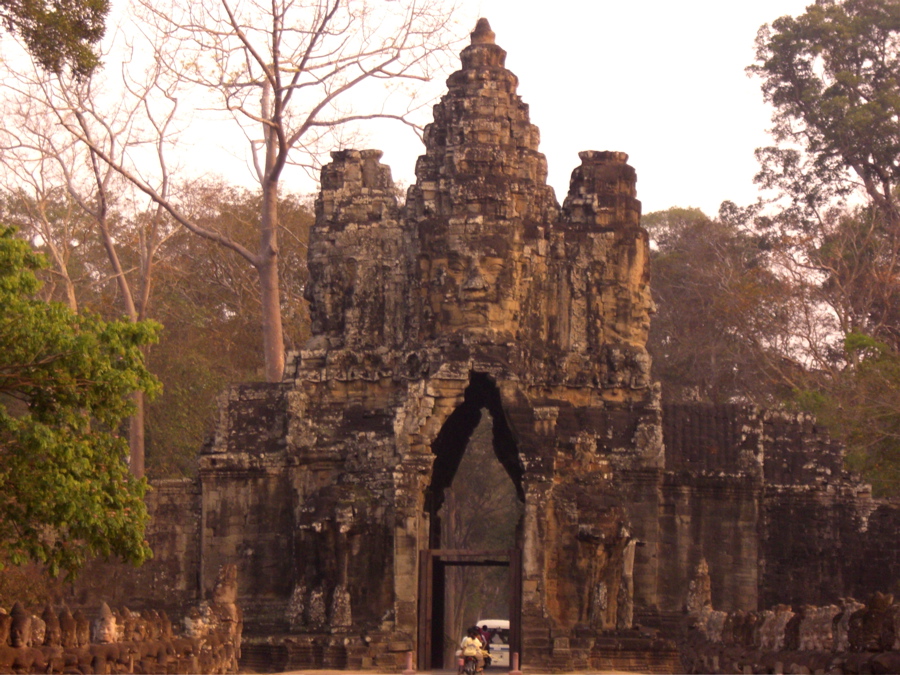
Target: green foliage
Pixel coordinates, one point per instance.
(862, 406)
(58, 33)
(65, 382)
(204, 295)
(831, 75)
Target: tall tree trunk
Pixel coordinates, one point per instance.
(71, 299)
(136, 421)
(270, 295)
(136, 436)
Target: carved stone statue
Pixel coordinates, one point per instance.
(20, 630)
(52, 636)
(105, 626)
(82, 628)
(67, 635)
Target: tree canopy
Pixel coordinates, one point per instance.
(58, 33)
(831, 75)
(66, 493)
(722, 315)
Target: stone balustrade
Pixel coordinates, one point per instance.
(58, 640)
(848, 637)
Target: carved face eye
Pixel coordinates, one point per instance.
(491, 267)
(456, 264)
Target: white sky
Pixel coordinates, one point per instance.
(662, 80)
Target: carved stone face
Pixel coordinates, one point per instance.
(468, 290)
(20, 630)
(128, 626)
(52, 635)
(477, 278)
(67, 636)
(106, 627)
(82, 628)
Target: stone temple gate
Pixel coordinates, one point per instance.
(481, 295)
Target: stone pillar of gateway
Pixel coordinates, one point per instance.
(481, 295)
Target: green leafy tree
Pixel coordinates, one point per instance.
(66, 493)
(832, 76)
(862, 405)
(58, 33)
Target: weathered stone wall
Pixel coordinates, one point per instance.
(716, 518)
(822, 545)
(800, 452)
(763, 498)
(170, 580)
(714, 439)
(247, 521)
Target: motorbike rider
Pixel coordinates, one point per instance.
(484, 634)
(472, 646)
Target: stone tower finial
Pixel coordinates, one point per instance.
(602, 193)
(483, 35)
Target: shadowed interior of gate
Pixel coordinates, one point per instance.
(453, 438)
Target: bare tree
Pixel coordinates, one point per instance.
(40, 207)
(131, 231)
(289, 74)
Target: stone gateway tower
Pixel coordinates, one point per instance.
(481, 295)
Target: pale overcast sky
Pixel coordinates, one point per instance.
(662, 80)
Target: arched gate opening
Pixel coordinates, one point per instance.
(458, 499)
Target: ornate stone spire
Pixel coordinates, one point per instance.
(481, 196)
(483, 35)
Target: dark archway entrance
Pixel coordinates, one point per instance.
(432, 569)
(446, 558)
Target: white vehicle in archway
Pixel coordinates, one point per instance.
(497, 631)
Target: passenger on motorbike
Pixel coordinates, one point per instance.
(471, 646)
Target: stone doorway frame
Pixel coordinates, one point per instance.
(432, 563)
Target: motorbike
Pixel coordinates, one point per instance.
(470, 665)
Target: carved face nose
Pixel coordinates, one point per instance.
(474, 281)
